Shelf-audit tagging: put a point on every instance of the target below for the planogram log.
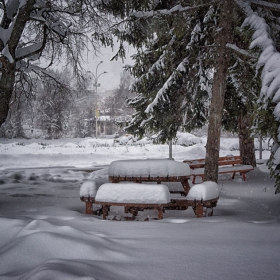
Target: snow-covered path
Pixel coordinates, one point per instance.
(44, 233)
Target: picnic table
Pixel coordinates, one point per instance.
(151, 170)
(126, 188)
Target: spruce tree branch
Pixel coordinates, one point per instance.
(205, 46)
(240, 51)
(267, 5)
(175, 10)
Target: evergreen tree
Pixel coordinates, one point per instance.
(181, 45)
(263, 19)
(50, 30)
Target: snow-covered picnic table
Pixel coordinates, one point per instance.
(151, 170)
(134, 196)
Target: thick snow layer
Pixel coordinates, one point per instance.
(133, 193)
(148, 167)
(186, 139)
(88, 188)
(44, 233)
(205, 191)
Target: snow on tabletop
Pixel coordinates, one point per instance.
(88, 189)
(133, 193)
(148, 167)
(206, 191)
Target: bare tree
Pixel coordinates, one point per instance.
(44, 30)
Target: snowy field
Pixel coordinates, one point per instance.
(44, 233)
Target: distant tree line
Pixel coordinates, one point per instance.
(58, 108)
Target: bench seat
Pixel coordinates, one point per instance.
(136, 197)
(133, 197)
(200, 196)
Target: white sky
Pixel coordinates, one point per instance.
(111, 79)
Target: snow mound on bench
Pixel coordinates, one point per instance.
(89, 189)
(133, 193)
(206, 191)
(148, 167)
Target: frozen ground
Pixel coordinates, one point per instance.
(44, 233)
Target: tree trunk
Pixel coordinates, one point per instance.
(218, 93)
(8, 68)
(7, 81)
(246, 142)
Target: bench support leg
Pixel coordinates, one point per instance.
(186, 186)
(198, 210)
(132, 210)
(193, 180)
(160, 213)
(89, 208)
(194, 177)
(105, 210)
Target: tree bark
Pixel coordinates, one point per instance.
(218, 93)
(246, 142)
(7, 81)
(8, 68)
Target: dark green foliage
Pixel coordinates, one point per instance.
(174, 69)
(175, 60)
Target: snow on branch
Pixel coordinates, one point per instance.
(239, 50)
(264, 4)
(28, 51)
(161, 93)
(6, 53)
(175, 9)
(269, 58)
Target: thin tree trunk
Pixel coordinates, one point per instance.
(218, 93)
(246, 142)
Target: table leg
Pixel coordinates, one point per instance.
(160, 213)
(89, 207)
(104, 211)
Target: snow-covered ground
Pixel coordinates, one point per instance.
(44, 233)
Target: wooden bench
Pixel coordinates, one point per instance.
(228, 164)
(151, 170)
(201, 197)
(133, 197)
(201, 208)
(136, 197)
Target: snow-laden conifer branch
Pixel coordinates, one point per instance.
(170, 81)
(267, 5)
(269, 58)
(270, 61)
(158, 65)
(240, 51)
(176, 9)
